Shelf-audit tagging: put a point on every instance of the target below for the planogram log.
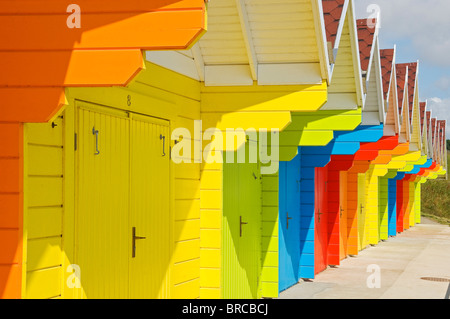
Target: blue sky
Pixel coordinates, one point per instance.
(421, 31)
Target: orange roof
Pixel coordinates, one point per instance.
(332, 12)
(402, 74)
(38, 62)
(366, 37)
(387, 59)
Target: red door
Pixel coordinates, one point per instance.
(320, 240)
(400, 206)
(406, 205)
(343, 233)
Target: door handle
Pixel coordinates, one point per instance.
(95, 132)
(134, 242)
(161, 137)
(287, 220)
(319, 215)
(362, 207)
(240, 225)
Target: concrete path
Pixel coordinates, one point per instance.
(422, 251)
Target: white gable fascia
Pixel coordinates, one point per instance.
(416, 106)
(340, 28)
(321, 37)
(355, 50)
(374, 73)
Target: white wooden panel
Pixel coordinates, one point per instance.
(228, 75)
(224, 41)
(371, 103)
(389, 130)
(341, 101)
(289, 74)
(174, 61)
(370, 118)
(283, 31)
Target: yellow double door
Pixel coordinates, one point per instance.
(122, 221)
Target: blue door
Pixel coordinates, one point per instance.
(392, 207)
(289, 223)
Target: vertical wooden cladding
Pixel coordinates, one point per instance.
(400, 206)
(312, 162)
(352, 213)
(383, 215)
(307, 221)
(102, 221)
(241, 233)
(362, 209)
(412, 204)
(289, 223)
(270, 236)
(333, 216)
(418, 204)
(343, 210)
(150, 208)
(372, 206)
(321, 220)
(11, 192)
(406, 204)
(392, 207)
(44, 209)
(123, 183)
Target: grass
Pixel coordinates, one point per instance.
(436, 199)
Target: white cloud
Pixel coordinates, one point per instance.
(440, 108)
(424, 22)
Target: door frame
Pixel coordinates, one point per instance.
(101, 104)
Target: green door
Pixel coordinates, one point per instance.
(241, 237)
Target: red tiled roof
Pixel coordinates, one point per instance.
(402, 71)
(387, 59)
(423, 107)
(412, 74)
(332, 12)
(444, 137)
(433, 130)
(428, 121)
(441, 129)
(366, 36)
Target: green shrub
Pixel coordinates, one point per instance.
(436, 198)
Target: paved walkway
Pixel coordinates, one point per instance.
(422, 251)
